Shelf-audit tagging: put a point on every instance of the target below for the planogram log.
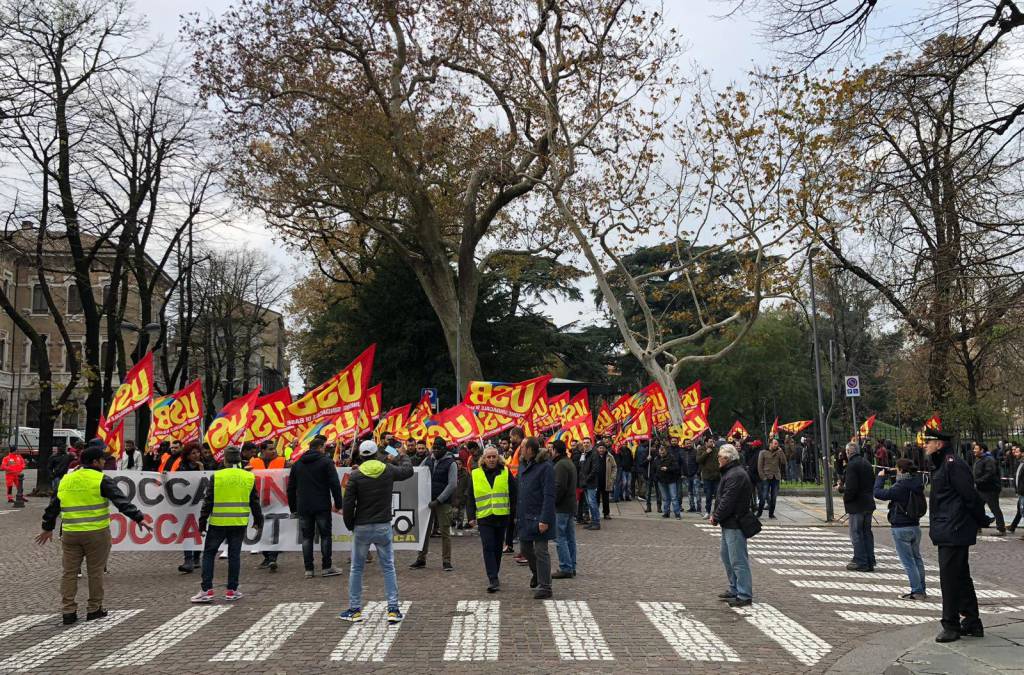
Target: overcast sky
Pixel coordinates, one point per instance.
(728, 47)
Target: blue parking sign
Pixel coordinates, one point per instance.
(432, 393)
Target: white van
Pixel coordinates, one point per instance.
(28, 441)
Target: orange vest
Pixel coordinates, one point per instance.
(513, 464)
(257, 463)
(176, 464)
(163, 460)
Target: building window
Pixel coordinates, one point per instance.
(74, 300)
(32, 414)
(39, 300)
(103, 354)
(106, 294)
(34, 356)
(76, 349)
(70, 418)
(3, 354)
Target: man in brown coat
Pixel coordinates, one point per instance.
(770, 465)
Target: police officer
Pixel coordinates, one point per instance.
(81, 501)
(956, 514)
(229, 501)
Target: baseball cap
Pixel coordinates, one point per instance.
(367, 448)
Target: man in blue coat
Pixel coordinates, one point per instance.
(535, 513)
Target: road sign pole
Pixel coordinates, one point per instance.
(856, 426)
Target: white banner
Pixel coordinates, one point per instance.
(171, 503)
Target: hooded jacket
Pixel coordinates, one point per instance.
(899, 494)
(536, 498)
(313, 484)
(367, 499)
(955, 508)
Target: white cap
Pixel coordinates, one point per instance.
(367, 448)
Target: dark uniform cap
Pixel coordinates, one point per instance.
(936, 435)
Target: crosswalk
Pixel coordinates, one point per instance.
(814, 559)
(473, 630)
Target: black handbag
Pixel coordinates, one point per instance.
(749, 524)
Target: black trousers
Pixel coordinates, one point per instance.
(309, 525)
(958, 596)
(491, 538)
(602, 498)
(991, 500)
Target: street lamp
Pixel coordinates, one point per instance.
(829, 513)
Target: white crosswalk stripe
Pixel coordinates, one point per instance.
(370, 640)
(807, 562)
(804, 645)
(878, 618)
(778, 553)
(691, 639)
(24, 622)
(577, 635)
(868, 601)
(163, 637)
(476, 632)
(885, 576)
(267, 635)
(65, 641)
(796, 548)
(880, 588)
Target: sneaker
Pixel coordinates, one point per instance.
(394, 615)
(726, 596)
(185, 569)
(353, 614)
(309, 574)
(447, 567)
(98, 614)
(223, 555)
(592, 526)
(273, 566)
(739, 602)
(664, 515)
(264, 565)
(562, 574)
(542, 594)
(678, 517)
(202, 596)
(232, 595)
(507, 550)
(521, 559)
(418, 565)
(330, 572)
(493, 586)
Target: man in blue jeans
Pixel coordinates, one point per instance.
(732, 505)
(859, 502)
(366, 509)
(590, 475)
(690, 472)
(565, 508)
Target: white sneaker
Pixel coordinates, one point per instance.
(202, 596)
(232, 595)
(223, 555)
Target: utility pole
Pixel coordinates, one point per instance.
(822, 421)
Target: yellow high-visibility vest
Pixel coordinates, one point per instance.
(231, 490)
(82, 507)
(491, 500)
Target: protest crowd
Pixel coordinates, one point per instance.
(515, 467)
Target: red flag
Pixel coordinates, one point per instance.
(738, 427)
(231, 423)
(515, 400)
(605, 420)
(455, 425)
(796, 427)
(775, 428)
(270, 416)
(392, 421)
(868, 424)
(112, 438)
(577, 407)
(136, 390)
(933, 423)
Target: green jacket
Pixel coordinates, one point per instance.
(707, 458)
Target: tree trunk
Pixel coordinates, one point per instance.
(455, 311)
(46, 419)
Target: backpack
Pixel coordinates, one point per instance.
(916, 506)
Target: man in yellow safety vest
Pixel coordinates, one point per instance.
(229, 501)
(492, 490)
(82, 501)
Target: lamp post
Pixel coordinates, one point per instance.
(823, 432)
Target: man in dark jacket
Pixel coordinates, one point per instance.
(904, 497)
(535, 513)
(624, 477)
(1018, 485)
(312, 487)
(565, 507)
(667, 474)
(589, 478)
(988, 483)
(444, 478)
(956, 514)
(689, 471)
(734, 494)
(366, 509)
(859, 502)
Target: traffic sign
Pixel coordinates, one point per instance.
(432, 392)
(852, 386)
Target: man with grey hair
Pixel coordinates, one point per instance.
(859, 501)
(733, 504)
